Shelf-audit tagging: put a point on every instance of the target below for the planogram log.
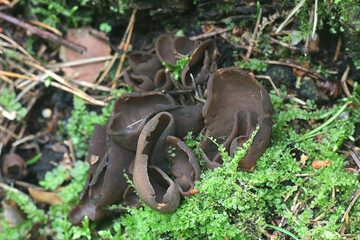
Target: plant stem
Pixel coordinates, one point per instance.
(319, 128)
(283, 231)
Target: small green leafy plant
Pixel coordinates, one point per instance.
(253, 64)
(177, 68)
(12, 107)
(55, 219)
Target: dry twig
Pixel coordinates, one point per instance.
(252, 43)
(311, 72)
(125, 46)
(210, 34)
(271, 82)
(43, 34)
(116, 55)
(338, 48)
(343, 81)
(351, 204)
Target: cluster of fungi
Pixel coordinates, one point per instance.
(142, 141)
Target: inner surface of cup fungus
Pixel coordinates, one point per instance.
(184, 165)
(151, 167)
(140, 83)
(14, 166)
(144, 137)
(164, 49)
(197, 69)
(130, 113)
(144, 63)
(236, 103)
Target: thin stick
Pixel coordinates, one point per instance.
(54, 30)
(27, 138)
(43, 34)
(338, 48)
(8, 132)
(76, 91)
(127, 43)
(252, 43)
(91, 85)
(291, 47)
(355, 158)
(27, 185)
(17, 75)
(72, 152)
(343, 81)
(271, 82)
(210, 34)
(351, 205)
(293, 11)
(21, 49)
(80, 62)
(9, 188)
(315, 18)
(310, 71)
(134, 123)
(116, 55)
(298, 100)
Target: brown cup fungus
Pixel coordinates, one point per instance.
(184, 165)
(151, 179)
(236, 103)
(130, 113)
(143, 137)
(201, 60)
(13, 166)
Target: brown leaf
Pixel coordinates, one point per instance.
(95, 48)
(12, 213)
(39, 195)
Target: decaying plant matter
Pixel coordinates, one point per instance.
(143, 138)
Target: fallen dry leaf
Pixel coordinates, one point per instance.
(42, 196)
(12, 213)
(95, 48)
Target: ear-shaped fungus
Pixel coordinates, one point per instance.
(199, 64)
(169, 49)
(140, 83)
(187, 118)
(162, 80)
(144, 63)
(130, 113)
(164, 50)
(183, 46)
(13, 166)
(109, 183)
(184, 165)
(235, 105)
(151, 181)
(97, 149)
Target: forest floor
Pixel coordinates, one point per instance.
(63, 66)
